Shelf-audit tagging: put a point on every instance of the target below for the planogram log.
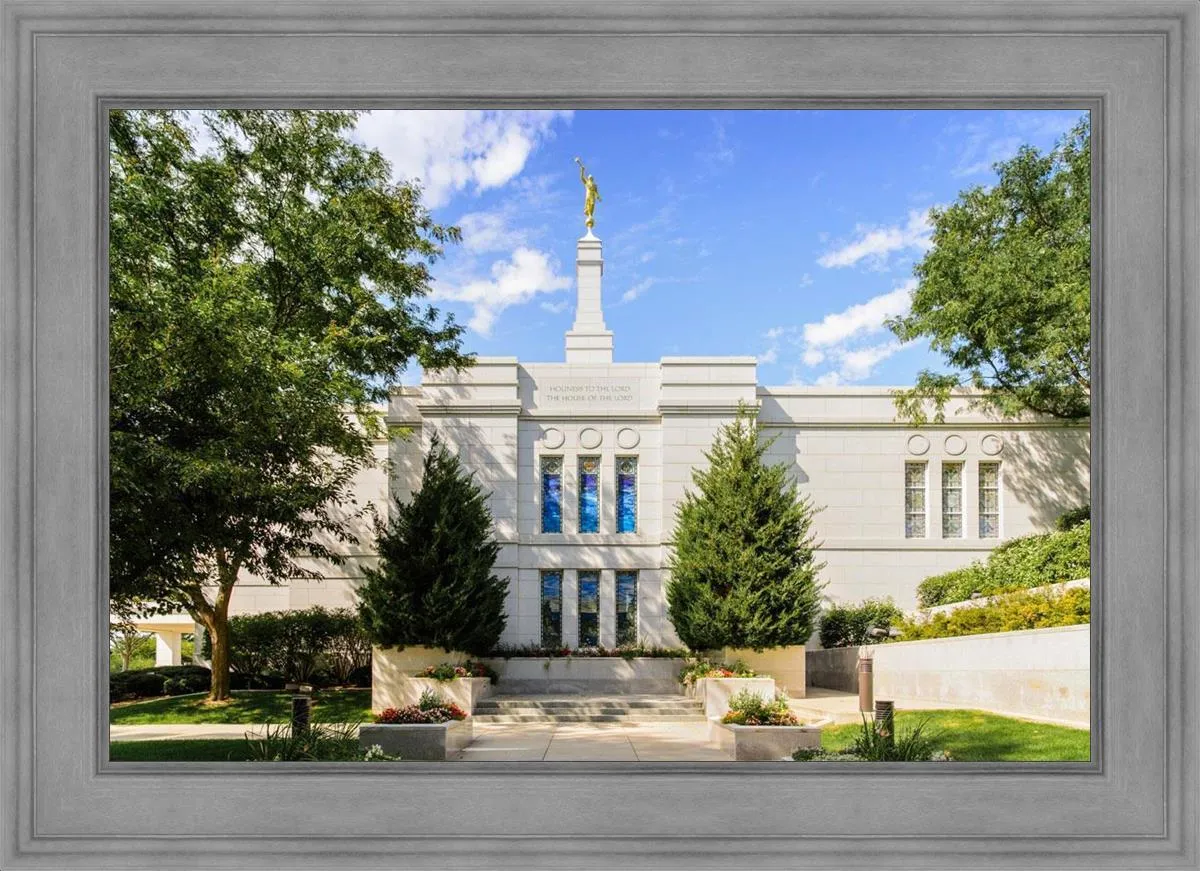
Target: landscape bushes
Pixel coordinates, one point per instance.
(166, 680)
(317, 645)
(1030, 561)
(850, 625)
(1009, 613)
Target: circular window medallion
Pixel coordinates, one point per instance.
(553, 438)
(991, 445)
(955, 445)
(917, 444)
(628, 438)
(590, 438)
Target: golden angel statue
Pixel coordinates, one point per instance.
(591, 195)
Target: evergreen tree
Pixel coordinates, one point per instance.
(743, 567)
(434, 584)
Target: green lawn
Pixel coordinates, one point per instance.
(975, 736)
(198, 750)
(329, 706)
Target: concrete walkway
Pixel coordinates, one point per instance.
(184, 731)
(629, 742)
(593, 742)
(666, 742)
(843, 707)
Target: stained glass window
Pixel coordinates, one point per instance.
(552, 494)
(627, 494)
(989, 500)
(551, 609)
(589, 609)
(914, 500)
(952, 504)
(627, 608)
(589, 494)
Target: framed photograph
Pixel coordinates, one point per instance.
(550, 434)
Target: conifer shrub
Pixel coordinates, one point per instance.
(434, 584)
(743, 565)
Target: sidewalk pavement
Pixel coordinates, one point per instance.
(616, 742)
(843, 707)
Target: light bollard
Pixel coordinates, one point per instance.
(885, 722)
(301, 709)
(866, 682)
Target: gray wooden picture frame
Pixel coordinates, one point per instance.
(1133, 65)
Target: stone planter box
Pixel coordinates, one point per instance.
(763, 743)
(785, 664)
(419, 741)
(405, 690)
(594, 675)
(715, 692)
(391, 667)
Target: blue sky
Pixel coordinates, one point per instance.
(787, 235)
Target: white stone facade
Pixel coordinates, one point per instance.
(844, 446)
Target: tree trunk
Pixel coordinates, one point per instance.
(218, 633)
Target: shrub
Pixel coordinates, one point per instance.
(1009, 613)
(743, 565)
(298, 646)
(1030, 561)
(1074, 517)
(320, 742)
(698, 669)
(750, 709)
(471, 668)
(850, 625)
(914, 744)
(151, 682)
(434, 584)
(431, 708)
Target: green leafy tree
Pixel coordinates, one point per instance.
(1003, 294)
(434, 585)
(743, 566)
(263, 293)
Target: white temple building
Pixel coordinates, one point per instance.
(586, 459)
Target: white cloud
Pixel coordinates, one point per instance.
(861, 319)
(874, 244)
(556, 308)
(451, 149)
(490, 231)
(806, 280)
(647, 256)
(859, 363)
(813, 357)
(841, 342)
(515, 281)
(638, 289)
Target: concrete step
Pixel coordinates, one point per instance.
(503, 719)
(586, 709)
(497, 703)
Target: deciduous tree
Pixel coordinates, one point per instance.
(1004, 293)
(263, 291)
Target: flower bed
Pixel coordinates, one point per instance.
(447, 671)
(717, 693)
(758, 729)
(432, 729)
(699, 669)
(431, 708)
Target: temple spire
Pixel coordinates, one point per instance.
(588, 341)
